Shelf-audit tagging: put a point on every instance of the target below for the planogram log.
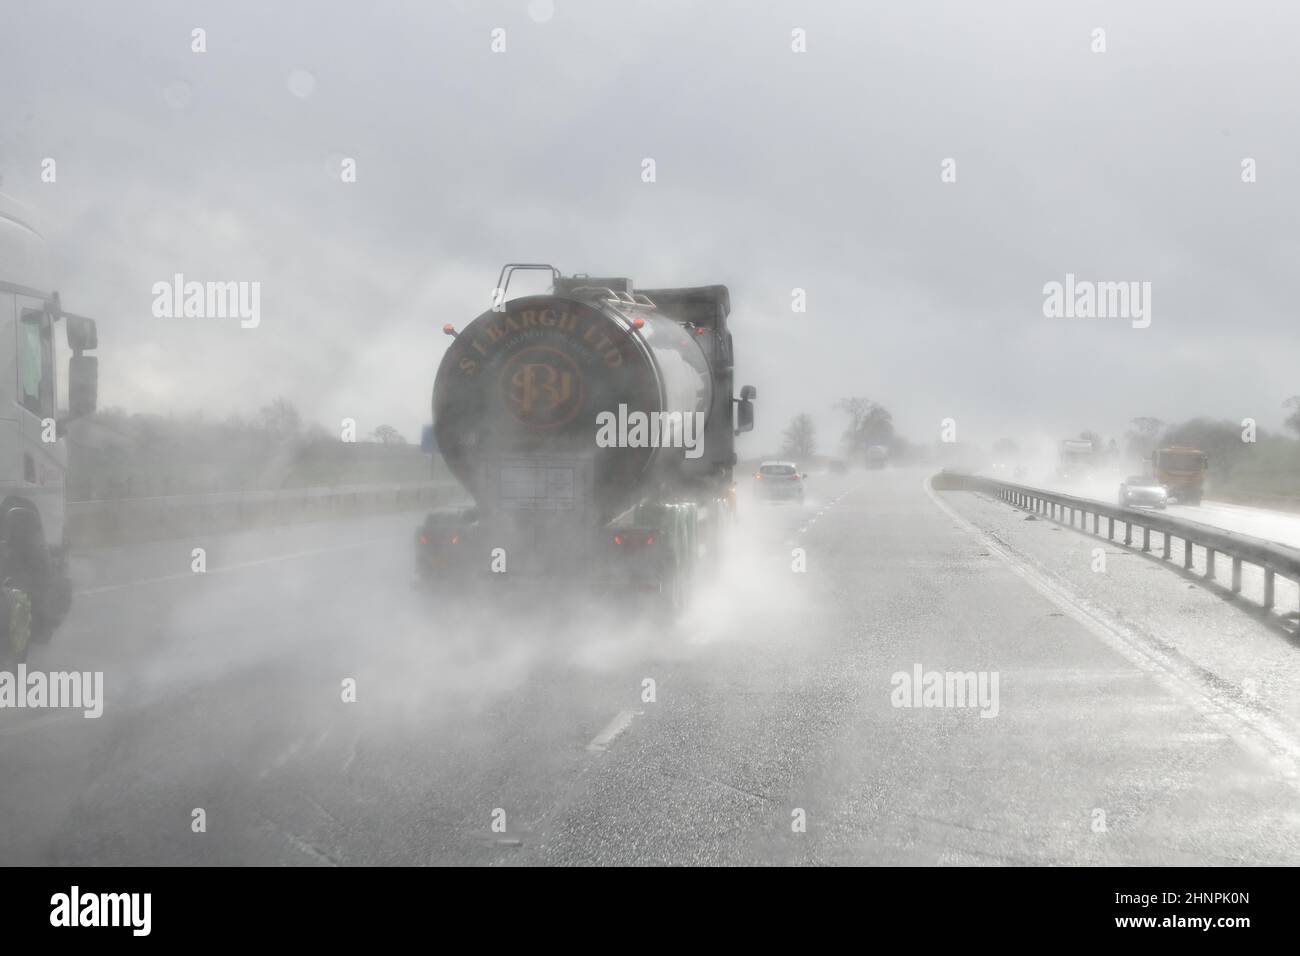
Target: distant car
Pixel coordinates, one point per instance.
(779, 481)
(1139, 491)
(839, 467)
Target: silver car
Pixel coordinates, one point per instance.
(779, 481)
(1138, 491)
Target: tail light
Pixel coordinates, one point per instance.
(455, 539)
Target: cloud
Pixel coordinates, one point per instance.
(775, 170)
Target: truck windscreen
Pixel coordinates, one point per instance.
(1181, 462)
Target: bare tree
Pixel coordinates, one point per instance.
(869, 424)
(388, 435)
(1292, 421)
(280, 419)
(1143, 436)
(800, 439)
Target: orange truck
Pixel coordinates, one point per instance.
(1182, 471)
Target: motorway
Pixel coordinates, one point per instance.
(1139, 718)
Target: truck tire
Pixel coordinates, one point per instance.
(15, 624)
(31, 584)
(24, 608)
(17, 589)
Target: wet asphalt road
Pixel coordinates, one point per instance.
(580, 736)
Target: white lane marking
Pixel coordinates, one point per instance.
(229, 567)
(352, 754)
(1255, 731)
(1072, 675)
(621, 722)
(301, 845)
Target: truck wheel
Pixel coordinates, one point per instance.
(15, 623)
(34, 587)
(29, 608)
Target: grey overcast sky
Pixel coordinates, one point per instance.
(775, 170)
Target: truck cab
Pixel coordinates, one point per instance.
(1182, 472)
(38, 341)
(1075, 459)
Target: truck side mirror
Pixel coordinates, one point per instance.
(82, 334)
(744, 416)
(83, 385)
(745, 409)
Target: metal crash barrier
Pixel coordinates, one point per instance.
(1274, 559)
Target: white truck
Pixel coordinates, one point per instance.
(35, 409)
(1075, 461)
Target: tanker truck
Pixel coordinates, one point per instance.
(594, 428)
